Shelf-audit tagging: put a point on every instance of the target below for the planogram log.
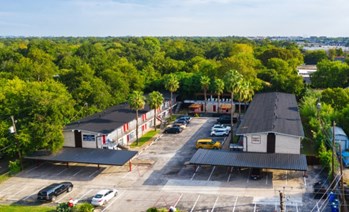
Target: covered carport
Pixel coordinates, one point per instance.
(87, 156)
(296, 162)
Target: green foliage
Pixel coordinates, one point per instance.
(330, 74)
(21, 208)
(313, 57)
(81, 207)
(145, 138)
(14, 167)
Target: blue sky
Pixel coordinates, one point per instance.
(174, 18)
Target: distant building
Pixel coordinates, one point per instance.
(305, 71)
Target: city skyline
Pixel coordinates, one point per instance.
(174, 18)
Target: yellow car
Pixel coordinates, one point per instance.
(208, 143)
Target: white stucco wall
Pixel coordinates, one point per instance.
(253, 146)
(69, 140)
(287, 144)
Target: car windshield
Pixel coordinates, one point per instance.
(98, 196)
(43, 193)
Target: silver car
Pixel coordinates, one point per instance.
(103, 196)
(219, 132)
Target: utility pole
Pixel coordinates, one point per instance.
(282, 201)
(333, 148)
(13, 130)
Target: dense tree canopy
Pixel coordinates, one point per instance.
(48, 82)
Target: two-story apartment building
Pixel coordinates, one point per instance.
(115, 125)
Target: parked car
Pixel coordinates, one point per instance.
(219, 132)
(208, 143)
(225, 119)
(221, 127)
(103, 196)
(320, 189)
(183, 126)
(173, 130)
(256, 174)
(187, 118)
(184, 122)
(345, 159)
(51, 192)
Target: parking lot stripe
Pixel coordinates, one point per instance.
(214, 205)
(61, 171)
(7, 188)
(305, 181)
(126, 174)
(77, 173)
(111, 203)
(179, 198)
(196, 201)
(29, 170)
(192, 178)
(266, 179)
(286, 177)
(255, 207)
(89, 191)
(93, 173)
(229, 177)
(15, 194)
(236, 200)
(211, 173)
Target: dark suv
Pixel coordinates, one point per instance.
(51, 192)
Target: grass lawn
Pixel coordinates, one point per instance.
(145, 138)
(18, 208)
(4, 177)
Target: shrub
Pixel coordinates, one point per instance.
(14, 167)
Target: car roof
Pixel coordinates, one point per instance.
(104, 191)
(205, 139)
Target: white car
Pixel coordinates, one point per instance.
(103, 196)
(220, 127)
(219, 132)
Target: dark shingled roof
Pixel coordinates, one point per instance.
(107, 121)
(88, 156)
(249, 160)
(272, 112)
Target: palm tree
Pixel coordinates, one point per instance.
(155, 100)
(205, 83)
(245, 94)
(136, 101)
(171, 84)
(219, 88)
(233, 85)
(249, 94)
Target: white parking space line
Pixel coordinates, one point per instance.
(286, 177)
(266, 179)
(192, 178)
(95, 172)
(255, 207)
(236, 200)
(305, 181)
(179, 199)
(35, 193)
(111, 203)
(297, 207)
(3, 191)
(126, 174)
(35, 167)
(196, 201)
(61, 171)
(23, 188)
(77, 172)
(89, 191)
(214, 205)
(214, 167)
(62, 197)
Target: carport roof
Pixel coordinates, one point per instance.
(88, 156)
(249, 160)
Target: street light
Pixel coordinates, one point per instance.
(13, 130)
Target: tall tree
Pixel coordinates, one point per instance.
(136, 101)
(172, 85)
(245, 94)
(155, 100)
(233, 84)
(219, 88)
(205, 83)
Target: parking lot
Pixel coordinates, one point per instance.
(160, 177)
